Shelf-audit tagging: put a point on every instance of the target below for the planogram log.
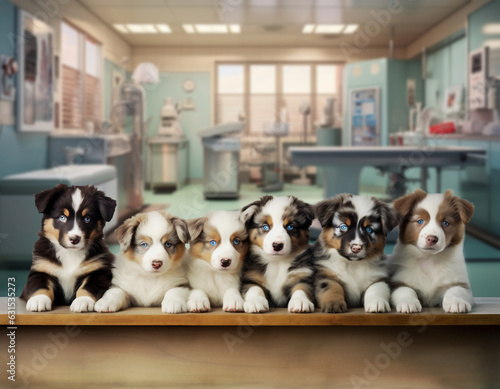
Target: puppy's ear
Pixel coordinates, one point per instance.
(388, 215)
(465, 209)
(325, 210)
(248, 211)
(181, 228)
(405, 204)
(106, 205)
(46, 198)
(125, 233)
(195, 227)
(305, 214)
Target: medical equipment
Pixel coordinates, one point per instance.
(305, 110)
(167, 153)
(221, 159)
(365, 123)
(328, 117)
(169, 125)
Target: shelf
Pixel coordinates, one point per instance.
(486, 312)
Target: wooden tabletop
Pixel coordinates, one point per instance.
(486, 312)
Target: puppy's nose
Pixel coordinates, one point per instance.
(356, 248)
(157, 264)
(225, 262)
(431, 240)
(75, 239)
(278, 246)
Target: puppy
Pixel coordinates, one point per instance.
(219, 244)
(274, 271)
(349, 254)
(428, 265)
(71, 262)
(149, 269)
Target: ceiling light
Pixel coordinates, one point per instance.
(493, 44)
(142, 28)
(329, 28)
(308, 28)
(188, 28)
(491, 29)
(163, 28)
(211, 28)
(121, 28)
(235, 28)
(350, 28)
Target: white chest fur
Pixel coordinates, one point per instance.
(356, 276)
(142, 288)
(276, 275)
(428, 273)
(212, 281)
(70, 269)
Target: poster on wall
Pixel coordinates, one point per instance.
(36, 75)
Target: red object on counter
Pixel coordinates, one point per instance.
(442, 128)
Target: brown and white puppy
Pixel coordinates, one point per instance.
(351, 269)
(149, 270)
(428, 265)
(71, 262)
(219, 244)
(274, 270)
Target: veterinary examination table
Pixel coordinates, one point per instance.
(143, 347)
(342, 166)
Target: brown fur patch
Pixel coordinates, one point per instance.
(410, 229)
(257, 237)
(201, 251)
(454, 232)
(329, 238)
(85, 211)
(47, 267)
(377, 249)
(301, 242)
(125, 233)
(366, 222)
(66, 212)
(96, 233)
(45, 292)
(49, 230)
(179, 253)
(330, 295)
(82, 292)
(256, 276)
(348, 221)
(405, 204)
(241, 248)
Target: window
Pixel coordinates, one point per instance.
(81, 79)
(262, 90)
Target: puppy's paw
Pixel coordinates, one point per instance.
(300, 305)
(173, 305)
(377, 304)
(233, 304)
(39, 303)
(456, 305)
(106, 305)
(256, 305)
(198, 305)
(409, 306)
(339, 306)
(82, 304)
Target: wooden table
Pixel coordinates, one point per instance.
(142, 347)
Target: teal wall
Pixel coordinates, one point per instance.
(171, 85)
(445, 67)
(18, 152)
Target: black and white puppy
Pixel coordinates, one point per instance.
(428, 265)
(274, 271)
(219, 244)
(71, 262)
(349, 253)
(150, 269)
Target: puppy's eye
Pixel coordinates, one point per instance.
(86, 219)
(265, 227)
(446, 223)
(369, 229)
(168, 244)
(236, 241)
(63, 218)
(343, 227)
(420, 221)
(213, 242)
(289, 227)
(144, 245)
